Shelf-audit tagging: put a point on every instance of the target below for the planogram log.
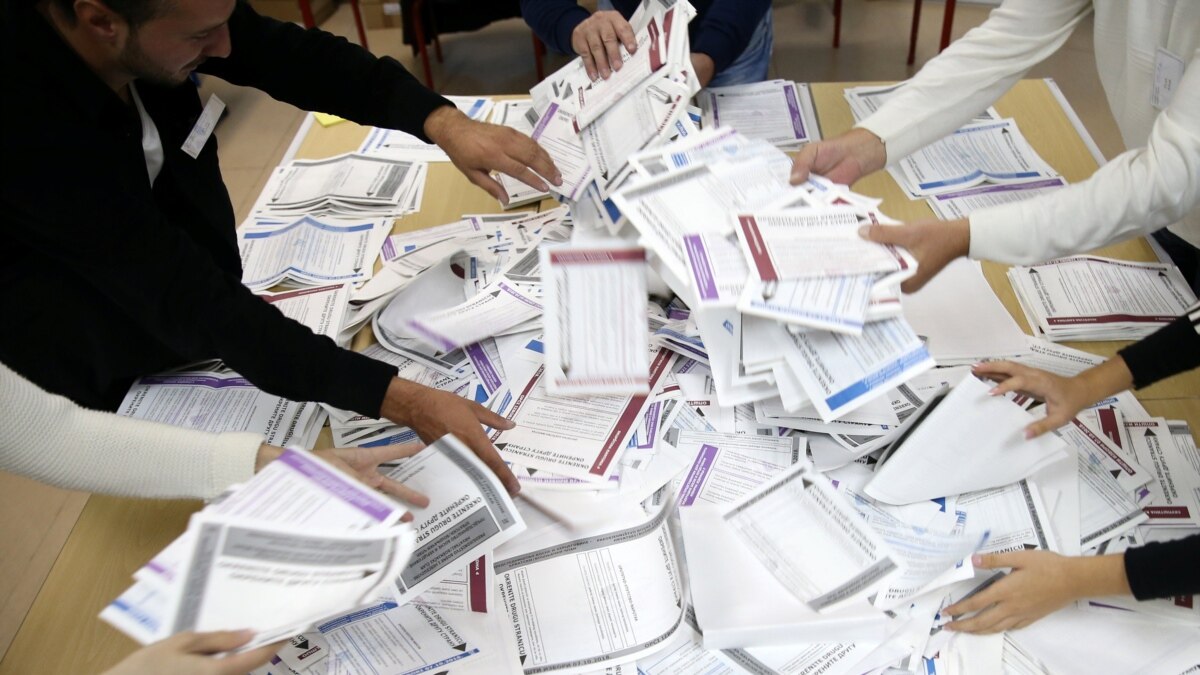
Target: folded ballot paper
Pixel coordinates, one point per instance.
(1092, 298)
(964, 441)
(301, 543)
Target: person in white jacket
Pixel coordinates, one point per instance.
(51, 439)
(1154, 187)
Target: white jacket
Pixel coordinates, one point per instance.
(50, 439)
(1155, 184)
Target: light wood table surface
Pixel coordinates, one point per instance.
(114, 536)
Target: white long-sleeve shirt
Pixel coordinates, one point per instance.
(52, 440)
(1153, 185)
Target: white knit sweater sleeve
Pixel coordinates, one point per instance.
(973, 72)
(1138, 192)
(50, 439)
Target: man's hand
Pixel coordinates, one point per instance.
(363, 464)
(1040, 582)
(433, 413)
(477, 149)
(1064, 396)
(598, 39)
(934, 243)
(704, 67)
(842, 159)
(195, 654)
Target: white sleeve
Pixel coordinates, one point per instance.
(973, 72)
(50, 439)
(1138, 192)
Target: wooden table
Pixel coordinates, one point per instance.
(114, 537)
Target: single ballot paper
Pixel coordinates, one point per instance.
(596, 329)
(493, 311)
(309, 250)
(811, 539)
(556, 134)
(967, 440)
(469, 514)
(577, 437)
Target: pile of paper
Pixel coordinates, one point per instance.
(212, 398)
(779, 112)
(297, 543)
(1093, 298)
(984, 163)
(309, 251)
(303, 547)
(349, 186)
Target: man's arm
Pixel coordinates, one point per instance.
(956, 85)
(315, 70)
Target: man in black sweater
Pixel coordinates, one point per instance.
(120, 252)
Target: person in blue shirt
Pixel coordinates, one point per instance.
(731, 39)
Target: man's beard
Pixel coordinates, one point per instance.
(135, 61)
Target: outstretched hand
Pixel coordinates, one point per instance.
(478, 148)
(433, 413)
(1064, 396)
(842, 159)
(598, 40)
(196, 654)
(934, 243)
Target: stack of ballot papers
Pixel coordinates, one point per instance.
(777, 111)
(310, 251)
(1092, 298)
(213, 398)
(307, 553)
(347, 186)
(984, 163)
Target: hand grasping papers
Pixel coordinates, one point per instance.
(433, 413)
(478, 148)
(363, 464)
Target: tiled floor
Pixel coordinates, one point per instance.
(35, 520)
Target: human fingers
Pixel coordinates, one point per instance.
(625, 33)
(481, 445)
(802, 166)
(482, 179)
(527, 151)
(403, 492)
(238, 664)
(521, 172)
(974, 603)
(369, 458)
(213, 642)
(589, 64)
(595, 46)
(492, 419)
(1053, 420)
(612, 45)
(989, 561)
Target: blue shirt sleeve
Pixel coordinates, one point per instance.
(726, 29)
(553, 21)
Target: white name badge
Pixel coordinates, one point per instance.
(1168, 71)
(204, 126)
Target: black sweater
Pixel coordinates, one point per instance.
(106, 278)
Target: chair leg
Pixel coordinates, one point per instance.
(539, 54)
(419, 37)
(912, 37)
(947, 24)
(358, 23)
(306, 14)
(837, 23)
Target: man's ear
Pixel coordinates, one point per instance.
(100, 22)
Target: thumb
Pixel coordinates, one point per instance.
(883, 234)
(802, 165)
(217, 641)
(989, 561)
